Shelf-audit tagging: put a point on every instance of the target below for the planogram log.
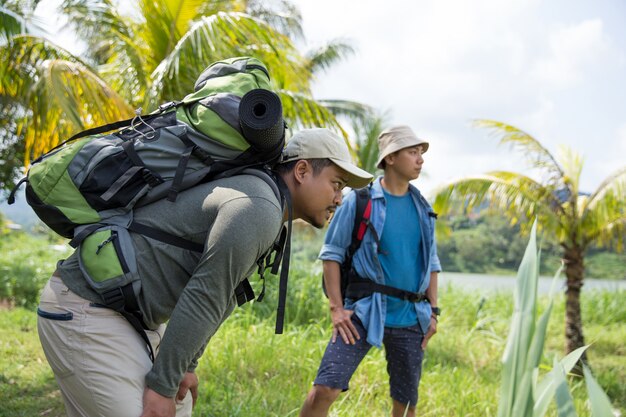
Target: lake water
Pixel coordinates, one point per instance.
(484, 282)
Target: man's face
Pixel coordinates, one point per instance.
(320, 194)
(407, 162)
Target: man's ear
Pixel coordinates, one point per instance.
(300, 170)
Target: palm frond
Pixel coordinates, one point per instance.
(572, 165)
(183, 13)
(83, 96)
(281, 15)
(519, 197)
(301, 111)
(604, 218)
(56, 92)
(609, 182)
(366, 124)
(20, 60)
(17, 17)
(11, 24)
(222, 36)
(114, 43)
(97, 23)
(366, 133)
(327, 55)
(528, 146)
(354, 111)
(66, 99)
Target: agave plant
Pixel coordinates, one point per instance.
(522, 395)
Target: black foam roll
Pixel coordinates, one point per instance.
(261, 119)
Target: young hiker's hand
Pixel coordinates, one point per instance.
(342, 325)
(189, 383)
(432, 329)
(156, 405)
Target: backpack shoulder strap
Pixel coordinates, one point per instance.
(362, 216)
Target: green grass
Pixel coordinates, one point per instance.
(26, 263)
(249, 371)
(27, 386)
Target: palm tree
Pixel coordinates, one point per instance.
(149, 56)
(575, 219)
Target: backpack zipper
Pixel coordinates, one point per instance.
(116, 247)
(120, 254)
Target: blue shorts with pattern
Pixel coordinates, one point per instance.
(403, 351)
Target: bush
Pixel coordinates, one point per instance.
(26, 263)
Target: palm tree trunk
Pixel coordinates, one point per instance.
(574, 271)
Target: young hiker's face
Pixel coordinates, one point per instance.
(407, 162)
(321, 194)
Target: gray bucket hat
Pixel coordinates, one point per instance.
(321, 143)
(395, 139)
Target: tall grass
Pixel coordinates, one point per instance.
(249, 371)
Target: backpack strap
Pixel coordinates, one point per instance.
(165, 237)
(124, 301)
(359, 288)
(361, 222)
(118, 124)
(284, 271)
(363, 211)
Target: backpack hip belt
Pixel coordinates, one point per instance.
(360, 288)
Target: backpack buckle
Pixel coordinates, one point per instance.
(114, 298)
(166, 106)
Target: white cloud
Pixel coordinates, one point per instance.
(572, 50)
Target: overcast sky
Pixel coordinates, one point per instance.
(554, 68)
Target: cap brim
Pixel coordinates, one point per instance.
(357, 178)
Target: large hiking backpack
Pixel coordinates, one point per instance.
(351, 284)
(86, 188)
(231, 121)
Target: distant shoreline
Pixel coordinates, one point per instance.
(506, 283)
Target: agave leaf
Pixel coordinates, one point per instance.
(598, 400)
(547, 387)
(564, 401)
(516, 375)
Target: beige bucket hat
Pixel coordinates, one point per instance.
(320, 143)
(396, 138)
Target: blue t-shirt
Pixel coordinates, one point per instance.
(400, 260)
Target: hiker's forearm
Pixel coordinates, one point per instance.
(332, 280)
(431, 291)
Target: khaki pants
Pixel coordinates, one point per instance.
(98, 359)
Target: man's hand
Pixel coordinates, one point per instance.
(189, 383)
(156, 405)
(432, 329)
(342, 325)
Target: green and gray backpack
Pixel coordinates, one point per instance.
(86, 188)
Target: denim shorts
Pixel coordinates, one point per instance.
(403, 351)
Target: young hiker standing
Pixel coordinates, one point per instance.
(400, 253)
(99, 360)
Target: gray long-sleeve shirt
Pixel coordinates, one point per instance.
(237, 219)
